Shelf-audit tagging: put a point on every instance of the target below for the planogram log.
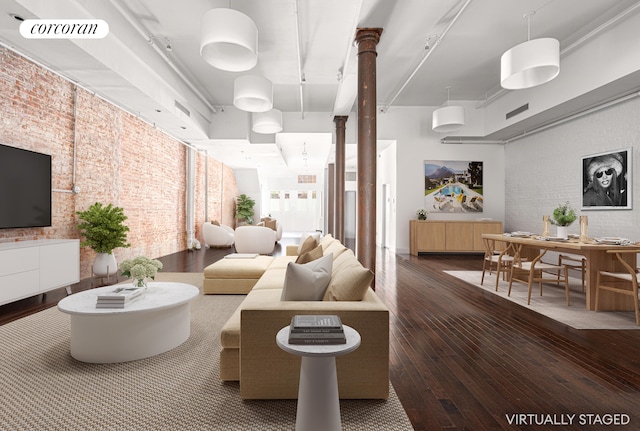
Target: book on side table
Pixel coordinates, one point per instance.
(316, 329)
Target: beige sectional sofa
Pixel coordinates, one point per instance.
(249, 351)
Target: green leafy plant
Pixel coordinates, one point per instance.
(244, 208)
(103, 228)
(563, 215)
(422, 214)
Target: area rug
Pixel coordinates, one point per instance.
(552, 303)
(44, 388)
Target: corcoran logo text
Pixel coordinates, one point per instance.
(64, 29)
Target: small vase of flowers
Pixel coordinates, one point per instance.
(422, 214)
(140, 269)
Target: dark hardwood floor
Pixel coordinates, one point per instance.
(463, 359)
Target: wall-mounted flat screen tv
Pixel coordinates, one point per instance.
(25, 188)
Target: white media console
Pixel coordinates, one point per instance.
(28, 268)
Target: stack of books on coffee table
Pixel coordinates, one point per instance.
(119, 297)
(316, 329)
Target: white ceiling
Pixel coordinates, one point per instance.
(299, 40)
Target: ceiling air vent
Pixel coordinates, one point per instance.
(517, 111)
(182, 108)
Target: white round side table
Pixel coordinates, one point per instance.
(318, 400)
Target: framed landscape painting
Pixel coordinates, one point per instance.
(606, 180)
(452, 186)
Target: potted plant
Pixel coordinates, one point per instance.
(104, 230)
(244, 208)
(140, 269)
(563, 216)
(422, 214)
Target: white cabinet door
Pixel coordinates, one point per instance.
(16, 260)
(59, 264)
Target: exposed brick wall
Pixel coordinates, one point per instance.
(119, 159)
(222, 190)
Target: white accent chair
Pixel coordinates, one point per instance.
(255, 239)
(278, 227)
(217, 236)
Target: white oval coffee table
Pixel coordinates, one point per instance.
(157, 322)
(318, 400)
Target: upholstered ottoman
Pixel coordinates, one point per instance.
(234, 276)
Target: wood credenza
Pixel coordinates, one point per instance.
(449, 236)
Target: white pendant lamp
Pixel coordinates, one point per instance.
(267, 122)
(228, 40)
(447, 119)
(530, 63)
(252, 93)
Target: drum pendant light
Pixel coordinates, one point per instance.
(252, 93)
(228, 40)
(267, 122)
(530, 63)
(448, 118)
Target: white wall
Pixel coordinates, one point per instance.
(611, 55)
(295, 221)
(416, 142)
(386, 174)
(545, 169)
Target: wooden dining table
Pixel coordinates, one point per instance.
(597, 257)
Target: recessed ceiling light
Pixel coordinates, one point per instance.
(16, 17)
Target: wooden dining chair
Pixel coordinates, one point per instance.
(624, 282)
(574, 262)
(500, 259)
(535, 271)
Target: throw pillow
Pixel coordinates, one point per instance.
(310, 256)
(304, 238)
(307, 245)
(349, 283)
(307, 282)
(215, 222)
(272, 223)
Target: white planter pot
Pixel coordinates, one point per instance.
(563, 232)
(105, 265)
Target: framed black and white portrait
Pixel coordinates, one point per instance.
(606, 181)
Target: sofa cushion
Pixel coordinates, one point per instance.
(239, 268)
(282, 262)
(335, 247)
(307, 282)
(349, 283)
(346, 257)
(326, 240)
(310, 256)
(271, 279)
